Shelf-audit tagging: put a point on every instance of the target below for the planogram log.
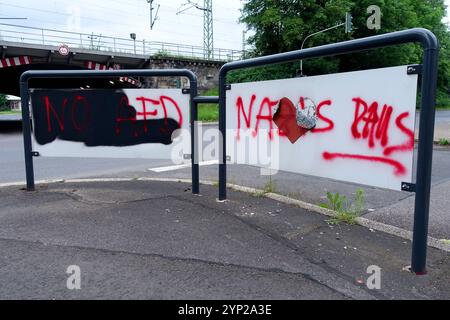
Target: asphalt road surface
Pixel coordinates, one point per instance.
(154, 240)
(443, 116)
(386, 206)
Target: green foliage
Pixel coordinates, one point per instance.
(360, 202)
(345, 211)
(335, 202)
(162, 53)
(442, 99)
(3, 103)
(270, 186)
(209, 112)
(282, 25)
(444, 142)
(287, 70)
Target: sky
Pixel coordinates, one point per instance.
(447, 20)
(119, 18)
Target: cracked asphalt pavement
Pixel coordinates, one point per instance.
(155, 240)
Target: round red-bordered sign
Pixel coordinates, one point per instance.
(63, 50)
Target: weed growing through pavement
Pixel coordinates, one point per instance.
(269, 187)
(344, 211)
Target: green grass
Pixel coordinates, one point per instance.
(209, 112)
(10, 112)
(270, 186)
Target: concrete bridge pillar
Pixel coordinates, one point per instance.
(206, 71)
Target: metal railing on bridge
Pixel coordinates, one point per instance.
(99, 42)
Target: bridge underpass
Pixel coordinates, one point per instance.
(17, 58)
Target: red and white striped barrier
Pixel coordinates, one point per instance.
(131, 81)
(97, 66)
(14, 62)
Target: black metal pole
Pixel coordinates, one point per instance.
(424, 161)
(194, 139)
(26, 130)
(196, 101)
(223, 136)
(206, 99)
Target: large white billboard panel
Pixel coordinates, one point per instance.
(356, 126)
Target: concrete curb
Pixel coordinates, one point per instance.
(208, 124)
(370, 224)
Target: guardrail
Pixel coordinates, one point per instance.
(429, 71)
(99, 42)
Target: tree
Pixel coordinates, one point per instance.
(3, 102)
(282, 25)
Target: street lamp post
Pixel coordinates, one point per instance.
(133, 36)
(348, 28)
(311, 35)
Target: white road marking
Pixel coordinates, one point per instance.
(182, 166)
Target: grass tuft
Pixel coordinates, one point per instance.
(345, 212)
(444, 142)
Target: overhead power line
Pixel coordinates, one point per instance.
(208, 25)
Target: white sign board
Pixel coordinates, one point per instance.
(356, 126)
(126, 123)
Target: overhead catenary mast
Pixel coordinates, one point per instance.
(208, 29)
(154, 17)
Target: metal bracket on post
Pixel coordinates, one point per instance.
(35, 154)
(415, 69)
(228, 87)
(409, 187)
(186, 91)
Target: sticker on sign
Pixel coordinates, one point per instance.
(356, 126)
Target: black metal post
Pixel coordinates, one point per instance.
(24, 92)
(223, 133)
(424, 161)
(194, 140)
(196, 101)
(26, 131)
(431, 48)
